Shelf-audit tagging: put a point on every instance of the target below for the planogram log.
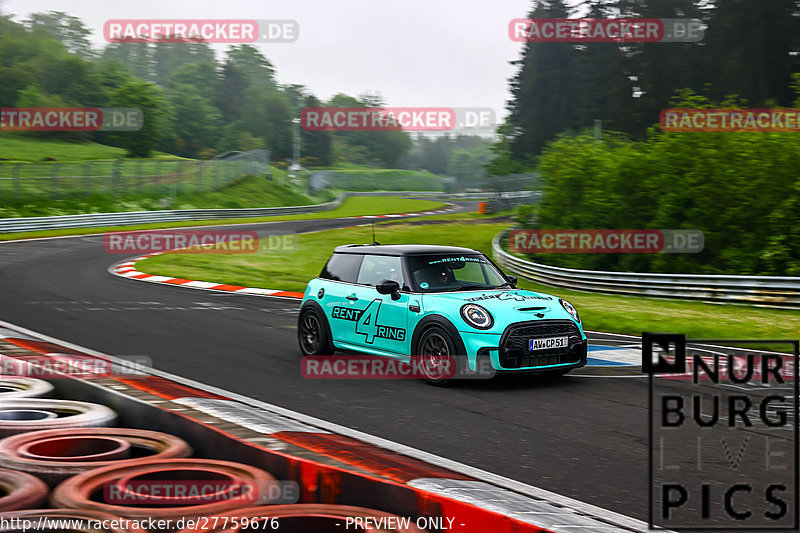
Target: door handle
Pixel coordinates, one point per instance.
(352, 297)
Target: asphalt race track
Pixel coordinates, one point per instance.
(580, 436)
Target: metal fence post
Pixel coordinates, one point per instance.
(138, 177)
(54, 179)
(158, 174)
(86, 181)
(115, 172)
(199, 165)
(17, 185)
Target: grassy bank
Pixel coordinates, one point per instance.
(291, 269)
(353, 206)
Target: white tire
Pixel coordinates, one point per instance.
(20, 416)
(13, 387)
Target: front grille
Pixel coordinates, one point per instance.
(514, 351)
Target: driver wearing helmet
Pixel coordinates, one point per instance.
(437, 276)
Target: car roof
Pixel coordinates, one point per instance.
(402, 249)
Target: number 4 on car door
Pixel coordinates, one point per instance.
(368, 321)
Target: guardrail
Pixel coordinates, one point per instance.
(16, 225)
(772, 291)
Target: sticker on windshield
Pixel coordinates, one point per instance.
(424, 284)
(457, 259)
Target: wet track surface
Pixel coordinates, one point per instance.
(581, 436)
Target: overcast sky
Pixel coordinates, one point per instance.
(414, 52)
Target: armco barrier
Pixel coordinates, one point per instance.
(775, 291)
(16, 225)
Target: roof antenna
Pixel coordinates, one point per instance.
(373, 234)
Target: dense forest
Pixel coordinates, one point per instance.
(741, 189)
(749, 50)
(194, 105)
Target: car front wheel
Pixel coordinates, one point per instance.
(312, 333)
(437, 353)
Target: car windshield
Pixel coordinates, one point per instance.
(440, 273)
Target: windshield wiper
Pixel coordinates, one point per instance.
(472, 287)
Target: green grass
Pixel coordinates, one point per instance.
(249, 191)
(16, 147)
(291, 269)
(360, 178)
(353, 206)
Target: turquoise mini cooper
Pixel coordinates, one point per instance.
(439, 304)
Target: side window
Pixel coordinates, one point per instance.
(342, 267)
(375, 268)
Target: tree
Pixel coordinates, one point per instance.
(112, 74)
(196, 122)
(230, 92)
(150, 100)
(201, 75)
(69, 76)
(752, 50)
(69, 30)
(316, 143)
(136, 56)
(381, 147)
(169, 57)
(253, 66)
(269, 116)
(297, 95)
(545, 89)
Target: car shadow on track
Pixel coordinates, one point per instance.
(510, 382)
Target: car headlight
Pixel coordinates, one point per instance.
(570, 309)
(476, 316)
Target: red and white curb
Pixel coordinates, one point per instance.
(127, 268)
(472, 490)
(449, 208)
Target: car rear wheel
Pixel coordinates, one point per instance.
(312, 333)
(437, 353)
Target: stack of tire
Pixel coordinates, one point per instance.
(64, 460)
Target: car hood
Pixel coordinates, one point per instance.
(505, 305)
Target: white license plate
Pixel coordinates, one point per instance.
(548, 343)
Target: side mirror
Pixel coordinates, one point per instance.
(512, 280)
(389, 286)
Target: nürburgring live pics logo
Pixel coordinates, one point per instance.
(723, 434)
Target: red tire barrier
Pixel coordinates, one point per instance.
(153, 488)
(314, 517)
(19, 490)
(32, 414)
(76, 449)
(50, 519)
(54, 455)
(14, 387)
